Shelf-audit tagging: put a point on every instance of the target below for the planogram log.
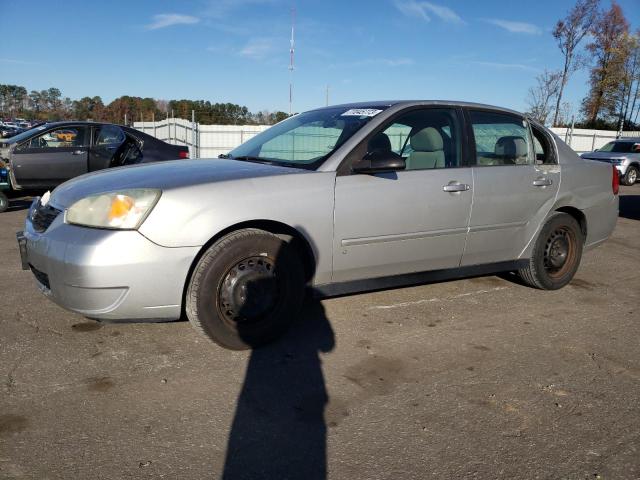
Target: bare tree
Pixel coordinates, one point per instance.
(569, 32)
(543, 94)
(632, 76)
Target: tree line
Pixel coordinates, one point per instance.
(601, 41)
(50, 105)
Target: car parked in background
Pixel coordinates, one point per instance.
(48, 155)
(342, 199)
(9, 131)
(624, 154)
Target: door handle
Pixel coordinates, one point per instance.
(542, 182)
(456, 187)
(77, 152)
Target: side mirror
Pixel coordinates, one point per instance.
(379, 161)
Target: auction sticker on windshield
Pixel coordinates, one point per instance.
(361, 112)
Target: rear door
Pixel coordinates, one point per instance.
(107, 142)
(512, 191)
(51, 158)
(411, 220)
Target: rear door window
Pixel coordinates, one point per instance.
(501, 139)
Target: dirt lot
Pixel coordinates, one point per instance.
(477, 378)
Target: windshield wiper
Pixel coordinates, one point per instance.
(249, 158)
(265, 161)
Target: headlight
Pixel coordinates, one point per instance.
(123, 210)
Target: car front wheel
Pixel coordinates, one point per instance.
(556, 254)
(245, 289)
(631, 176)
(4, 202)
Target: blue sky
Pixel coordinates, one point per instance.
(237, 51)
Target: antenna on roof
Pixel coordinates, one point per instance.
(291, 59)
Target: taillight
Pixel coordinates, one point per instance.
(615, 181)
(184, 154)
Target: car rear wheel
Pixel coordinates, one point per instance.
(556, 254)
(4, 202)
(246, 289)
(631, 176)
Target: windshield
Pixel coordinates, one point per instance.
(620, 147)
(305, 140)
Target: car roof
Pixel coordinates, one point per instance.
(79, 122)
(408, 103)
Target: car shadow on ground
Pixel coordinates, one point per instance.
(279, 429)
(630, 207)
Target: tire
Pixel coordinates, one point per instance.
(246, 289)
(630, 177)
(547, 270)
(4, 202)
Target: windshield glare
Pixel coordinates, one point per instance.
(620, 147)
(307, 139)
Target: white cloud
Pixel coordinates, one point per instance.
(221, 8)
(424, 10)
(384, 62)
(374, 62)
(257, 48)
(508, 66)
(514, 27)
(164, 20)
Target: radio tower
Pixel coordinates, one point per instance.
(291, 52)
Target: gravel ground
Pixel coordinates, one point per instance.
(477, 378)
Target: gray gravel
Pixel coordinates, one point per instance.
(477, 378)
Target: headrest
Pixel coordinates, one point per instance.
(511, 147)
(427, 140)
(380, 142)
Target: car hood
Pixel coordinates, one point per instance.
(166, 175)
(604, 156)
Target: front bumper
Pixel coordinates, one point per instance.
(107, 274)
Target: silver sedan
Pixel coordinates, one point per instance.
(340, 199)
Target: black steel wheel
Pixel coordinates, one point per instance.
(4, 202)
(245, 289)
(556, 254)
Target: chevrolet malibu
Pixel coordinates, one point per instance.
(340, 199)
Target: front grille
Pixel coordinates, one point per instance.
(42, 217)
(41, 277)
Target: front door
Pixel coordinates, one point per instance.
(512, 191)
(50, 158)
(411, 220)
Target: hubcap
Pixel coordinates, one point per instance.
(558, 251)
(249, 291)
(633, 176)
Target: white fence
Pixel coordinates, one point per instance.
(204, 141)
(209, 141)
(585, 140)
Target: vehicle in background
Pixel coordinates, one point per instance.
(341, 199)
(8, 132)
(48, 155)
(624, 154)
